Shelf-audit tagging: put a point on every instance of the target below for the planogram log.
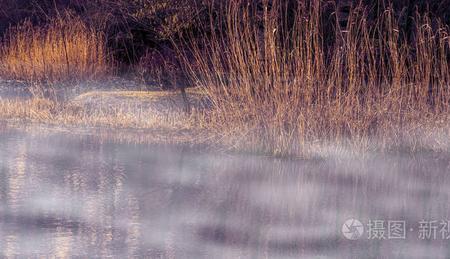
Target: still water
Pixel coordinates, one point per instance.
(63, 195)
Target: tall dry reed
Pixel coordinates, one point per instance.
(64, 49)
(281, 84)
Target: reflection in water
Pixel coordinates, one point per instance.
(16, 177)
(62, 196)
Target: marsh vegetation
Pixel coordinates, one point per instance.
(279, 77)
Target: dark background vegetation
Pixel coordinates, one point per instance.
(143, 31)
(132, 26)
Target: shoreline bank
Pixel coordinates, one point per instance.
(159, 117)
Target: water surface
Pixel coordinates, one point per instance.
(63, 195)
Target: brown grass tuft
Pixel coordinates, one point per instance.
(282, 88)
(64, 49)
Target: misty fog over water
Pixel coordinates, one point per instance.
(63, 195)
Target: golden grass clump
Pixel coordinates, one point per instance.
(283, 85)
(64, 49)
